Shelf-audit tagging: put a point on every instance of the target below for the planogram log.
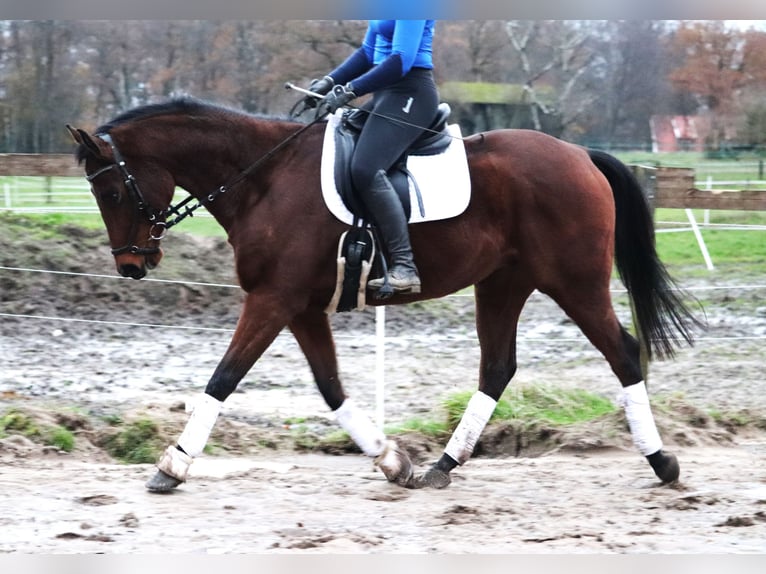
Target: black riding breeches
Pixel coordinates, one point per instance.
(400, 112)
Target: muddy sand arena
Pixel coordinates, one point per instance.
(576, 490)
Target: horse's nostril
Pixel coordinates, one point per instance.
(132, 271)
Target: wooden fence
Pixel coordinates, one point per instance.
(667, 186)
(674, 187)
(41, 165)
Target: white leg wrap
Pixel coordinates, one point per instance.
(477, 413)
(635, 401)
(358, 425)
(197, 430)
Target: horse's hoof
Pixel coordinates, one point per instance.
(433, 478)
(396, 464)
(162, 482)
(665, 465)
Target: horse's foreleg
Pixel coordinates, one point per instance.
(255, 331)
(173, 465)
(499, 301)
(314, 335)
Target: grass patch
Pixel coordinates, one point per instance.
(735, 246)
(536, 404)
(430, 428)
(138, 443)
(305, 439)
(692, 159)
(48, 225)
(112, 419)
(524, 405)
(726, 246)
(15, 421)
(61, 438)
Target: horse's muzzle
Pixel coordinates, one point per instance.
(136, 266)
(132, 270)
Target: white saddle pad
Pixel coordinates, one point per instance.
(443, 179)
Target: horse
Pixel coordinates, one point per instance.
(544, 214)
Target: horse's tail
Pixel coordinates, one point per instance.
(658, 307)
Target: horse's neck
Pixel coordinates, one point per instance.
(212, 158)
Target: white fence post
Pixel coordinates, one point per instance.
(700, 240)
(380, 365)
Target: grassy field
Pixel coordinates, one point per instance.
(60, 200)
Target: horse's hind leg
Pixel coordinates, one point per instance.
(313, 333)
(595, 316)
(499, 301)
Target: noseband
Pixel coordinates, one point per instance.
(142, 207)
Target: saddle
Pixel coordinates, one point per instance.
(434, 140)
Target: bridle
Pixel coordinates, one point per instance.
(142, 207)
(159, 218)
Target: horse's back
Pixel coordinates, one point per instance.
(548, 201)
(519, 142)
(533, 171)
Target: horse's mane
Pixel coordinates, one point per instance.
(183, 105)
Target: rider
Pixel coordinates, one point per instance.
(394, 63)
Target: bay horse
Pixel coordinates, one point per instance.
(544, 215)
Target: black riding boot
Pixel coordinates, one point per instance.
(386, 209)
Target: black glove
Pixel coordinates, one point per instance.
(337, 98)
(320, 87)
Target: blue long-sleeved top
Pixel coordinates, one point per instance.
(390, 49)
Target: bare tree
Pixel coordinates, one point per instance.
(555, 55)
(583, 80)
(630, 82)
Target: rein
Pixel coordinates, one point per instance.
(239, 178)
(159, 218)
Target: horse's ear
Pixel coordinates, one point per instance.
(84, 139)
(74, 133)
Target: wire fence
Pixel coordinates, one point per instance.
(454, 341)
(414, 336)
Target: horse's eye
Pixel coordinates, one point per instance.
(109, 195)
